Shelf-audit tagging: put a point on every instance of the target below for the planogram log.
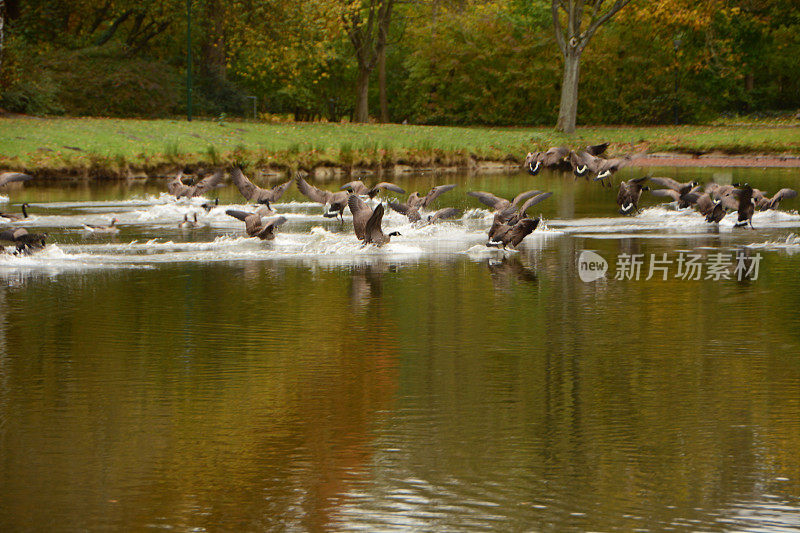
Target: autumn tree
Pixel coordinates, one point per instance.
(568, 20)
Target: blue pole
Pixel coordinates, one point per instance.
(189, 60)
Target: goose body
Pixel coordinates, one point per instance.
(746, 207)
(501, 204)
(179, 189)
(358, 187)
(189, 224)
(255, 226)
(415, 200)
(367, 222)
(555, 157)
(629, 193)
(15, 217)
(334, 202)
(97, 228)
(11, 177)
(25, 242)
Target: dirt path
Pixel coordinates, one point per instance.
(716, 160)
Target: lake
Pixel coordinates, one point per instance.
(199, 380)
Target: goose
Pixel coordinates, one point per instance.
(764, 202)
(555, 157)
(334, 202)
(179, 189)
(415, 200)
(501, 204)
(597, 149)
(208, 206)
(25, 242)
(504, 222)
(99, 228)
(685, 194)
(414, 216)
(747, 205)
(189, 224)
(255, 226)
(10, 177)
(15, 217)
(367, 222)
(713, 210)
(717, 191)
(255, 194)
(583, 163)
(629, 193)
(358, 187)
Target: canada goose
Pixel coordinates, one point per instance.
(254, 226)
(597, 149)
(555, 157)
(189, 224)
(254, 193)
(358, 187)
(14, 217)
(179, 189)
(208, 206)
(99, 228)
(583, 163)
(415, 200)
(764, 202)
(685, 194)
(26, 242)
(717, 191)
(713, 210)
(629, 193)
(334, 202)
(502, 230)
(9, 177)
(367, 222)
(414, 216)
(501, 204)
(747, 205)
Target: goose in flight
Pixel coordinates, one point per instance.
(25, 242)
(255, 194)
(358, 187)
(334, 202)
(179, 189)
(255, 226)
(367, 222)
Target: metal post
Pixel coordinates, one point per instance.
(189, 60)
(255, 104)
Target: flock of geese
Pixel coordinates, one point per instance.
(510, 224)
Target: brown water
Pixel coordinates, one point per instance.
(202, 381)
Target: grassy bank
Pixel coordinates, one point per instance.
(119, 148)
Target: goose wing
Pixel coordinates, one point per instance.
(312, 193)
(704, 203)
(268, 231)
(533, 201)
(277, 191)
(669, 183)
(782, 194)
(209, 182)
(411, 212)
(554, 156)
(12, 235)
(8, 177)
(522, 229)
(176, 186)
(252, 221)
(388, 186)
(248, 189)
(356, 187)
(597, 149)
(488, 198)
(361, 215)
(521, 197)
(435, 192)
(373, 231)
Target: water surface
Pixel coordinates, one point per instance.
(200, 380)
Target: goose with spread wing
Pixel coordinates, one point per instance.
(254, 223)
(255, 194)
(334, 202)
(367, 222)
(179, 189)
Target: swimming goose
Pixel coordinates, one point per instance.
(629, 193)
(9, 177)
(189, 224)
(358, 187)
(179, 189)
(254, 226)
(334, 202)
(99, 228)
(14, 217)
(254, 193)
(26, 242)
(367, 222)
(555, 157)
(501, 204)
(415, 200)
(208, 206)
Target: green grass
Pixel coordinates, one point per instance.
(112, 147)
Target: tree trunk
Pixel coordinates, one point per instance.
(362, 96)
(2, 27)
(382, 85)
(568, 110)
